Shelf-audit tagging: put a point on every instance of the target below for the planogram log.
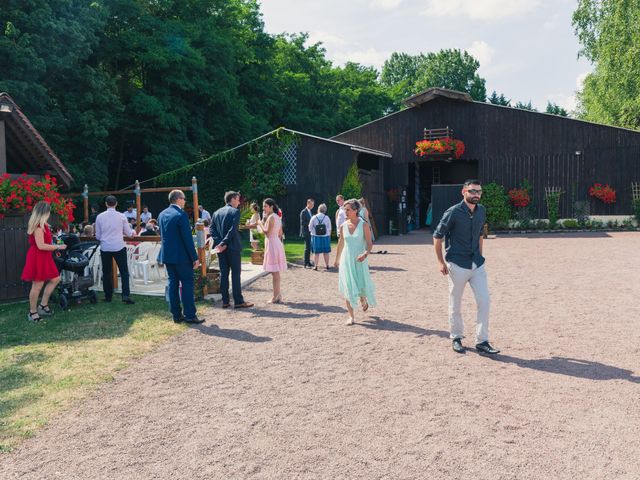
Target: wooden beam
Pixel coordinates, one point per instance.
(144, 190)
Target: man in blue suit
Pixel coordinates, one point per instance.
(226, 238)
(179, 256)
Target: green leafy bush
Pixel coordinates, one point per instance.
(636, 209)
(571, 223)
(496, 201)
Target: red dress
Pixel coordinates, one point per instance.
(39, 266)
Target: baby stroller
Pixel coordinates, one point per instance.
(76, 276)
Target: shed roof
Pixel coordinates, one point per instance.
(432, 93)
(36, 155)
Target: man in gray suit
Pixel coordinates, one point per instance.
(226, 238)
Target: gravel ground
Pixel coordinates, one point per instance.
(289, 392)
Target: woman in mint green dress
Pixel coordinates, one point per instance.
(354, 246)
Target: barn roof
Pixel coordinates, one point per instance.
(29, 151)
(432, 93)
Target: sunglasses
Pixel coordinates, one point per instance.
(473, 191)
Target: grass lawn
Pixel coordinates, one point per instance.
(293, 248)
(45, 366)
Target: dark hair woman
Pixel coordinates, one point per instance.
(39, 267)
(274, 257)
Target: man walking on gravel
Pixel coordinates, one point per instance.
(461, 227)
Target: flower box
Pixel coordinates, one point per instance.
(440, 146)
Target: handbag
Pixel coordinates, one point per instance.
(321, 228)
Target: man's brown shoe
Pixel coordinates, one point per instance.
(244, 305)
(225, 305)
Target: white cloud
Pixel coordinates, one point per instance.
(479, 9)
(551, 23)
(384, 4)
(327, 39)
(580, 80)
(569, 102)
(369, 57)
(482, 52)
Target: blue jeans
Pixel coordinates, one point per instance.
(181, 274)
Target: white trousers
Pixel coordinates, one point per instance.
(477, 278)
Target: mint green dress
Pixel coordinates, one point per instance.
(354, 280)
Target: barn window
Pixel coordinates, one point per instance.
(291, 157)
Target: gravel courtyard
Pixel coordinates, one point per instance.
(290, 392)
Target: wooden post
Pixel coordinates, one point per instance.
(194, 189)
(200, 235)
(138, 207)
(114, 273)
(3, 149)
(85, 202)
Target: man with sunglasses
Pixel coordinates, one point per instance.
(461, 227)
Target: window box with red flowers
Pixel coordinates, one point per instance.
(19, 195)
(440, 146)
(519, 197)
(603, 192)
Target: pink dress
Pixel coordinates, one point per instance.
(274, 258)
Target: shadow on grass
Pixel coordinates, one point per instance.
(381, 324)
(572, 367)
(231, 334)
(81, 322)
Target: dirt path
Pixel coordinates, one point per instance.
(290, 392)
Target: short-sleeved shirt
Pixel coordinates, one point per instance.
(461, 230)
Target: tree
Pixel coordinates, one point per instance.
(556, 109)
(405, 75)
(525, 106)
(609, 34)
(496, 99)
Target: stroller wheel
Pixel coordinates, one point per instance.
(64, 302)
(93, 298)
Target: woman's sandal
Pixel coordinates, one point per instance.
(350, 321)
(33, 317)
(365, 304)
(44, 310)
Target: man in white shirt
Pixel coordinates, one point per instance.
(341, 216)
(146, 215)
(111, 227)
(131, 213)
(204, 215)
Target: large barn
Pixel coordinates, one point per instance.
(502, 144)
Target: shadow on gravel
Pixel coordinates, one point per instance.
(320, 307)
(381, 324)
(231, 334)
(572, 367)
(378, 268)
(256, 312)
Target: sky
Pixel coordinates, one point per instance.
(527, 49)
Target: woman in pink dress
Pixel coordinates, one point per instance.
(274, 257)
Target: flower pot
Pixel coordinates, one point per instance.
(257, 257)
(213, 281)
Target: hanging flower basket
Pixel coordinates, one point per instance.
(519, 197)
(604, 193)
(439, 146)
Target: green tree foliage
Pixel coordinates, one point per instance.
(496, 201)
(610, 34)
(525, 106)
(406, 75)
(499, 99)
(556, 109)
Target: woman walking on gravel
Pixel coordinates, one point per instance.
(354, 281)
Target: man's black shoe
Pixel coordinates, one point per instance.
(193, 320)
(179, 319)
(457, 345)
(128, 301)
(485, 347)
(107, 300)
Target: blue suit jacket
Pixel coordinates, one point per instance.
(224, 228)
(177, 241)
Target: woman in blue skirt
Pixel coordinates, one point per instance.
(320, 228)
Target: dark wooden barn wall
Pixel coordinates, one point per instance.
(511, 145)
(13, 252)
(321, 169)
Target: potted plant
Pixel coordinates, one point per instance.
(257, 256)
(445, 145)
(603, 192)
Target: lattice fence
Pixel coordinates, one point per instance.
(290, 169)
(635, 191)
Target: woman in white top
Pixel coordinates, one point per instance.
(253, 222)
(320, 229)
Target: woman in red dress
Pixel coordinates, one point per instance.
(39, 267)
